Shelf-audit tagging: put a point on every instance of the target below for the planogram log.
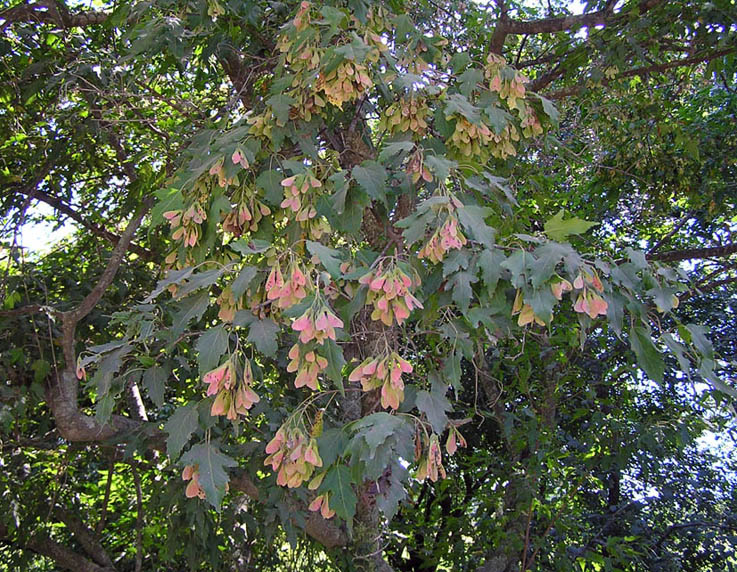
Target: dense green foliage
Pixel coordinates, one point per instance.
(368, 286)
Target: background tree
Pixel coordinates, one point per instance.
(343, 281)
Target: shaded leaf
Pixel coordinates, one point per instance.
(434, 404)
(211, 463)
(334, 354)
(172, 277)
(180, 427)
(371, 176)
(328, 257)
(212, 344)
(342, 498)
(647, 354)
(244, 279)
(154, 382)
(190, 308)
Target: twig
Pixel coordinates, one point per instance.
(673, 231)
(106, 498)
(139, 519)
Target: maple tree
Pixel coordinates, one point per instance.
(348, 243)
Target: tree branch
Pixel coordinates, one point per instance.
(85, 537)
(644, 71)
(116, 258)
(707, 287)
(695, 253)
(506, 26)
(63, 208)
(63, 556)
(30, 309)
(676, 227)
(47, 12)
(62, 396)
(563, 23)
(139, 518)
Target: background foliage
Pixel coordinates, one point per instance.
(208, 371)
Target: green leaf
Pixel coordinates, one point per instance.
(371, 176)
(336, 361)
(547, 257)
(392, 491)
(460, 287)
(550, 110)
(211, 345)
(340, 184)
(434, 404)
(180, 427)
(415, 223)
(459, 104)
(472, 219)
(332, 18)
(498, 117)
(700, 341)
(376, 428)
(663, 297)
(717, 383)
(351, 308)
(455, 261)
(637, 257)
(211, 464)
(331, 445)
(342, 498)
(154, 382)
(262, 334)
(452, 369)
(440, 165)
(392, 148)
(270, 183)
(190, 308)
(172, 277)
(517, 266)
(647, 354)
(356, 51)
(281, 104)
(328, 257)
(255, 246)
(113, 361)
(169, 199)
(244, 279)
(542, 301)
(104, 408)
(490, 263)
(199, 280)
(41, 369)
(469, 80)
(558, 229)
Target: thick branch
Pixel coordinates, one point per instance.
(30, 309)
(85, 537)
(63, 556)
(47, 12)
(507, 26)
(238, 73)
(563, 23)
(695, 253)
(72, 424)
